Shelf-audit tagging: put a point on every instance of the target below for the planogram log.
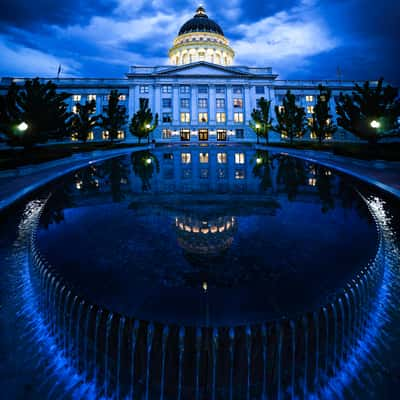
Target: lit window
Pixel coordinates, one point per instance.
(185, 89)
(239, 174)
(120, 135)
(143, 89)
(281, 109)
(220, 103)
(91, 97)
(203, 103)
(259, 89)
(106, 135)
(238, 117)
(122, 97)
(221, 117)
(310, 109)
(238, 103)
(166, 133)
(186, 158)
(203, 158)
(166, 89)
(310, 121)
(90, 136)
(76, 97)
(221, 134)
(185, 117)
(185, 135)
(203, 134)
(167, 103)
(203, 117)
(312, 181)
(322, 97)
(222, 158)
(75, 109)
(185, 103)
(309, 99)
(239, 158)
(74, 137)
(313, 135)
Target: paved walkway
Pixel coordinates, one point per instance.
(13, 188)
(383, 174)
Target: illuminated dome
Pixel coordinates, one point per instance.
(201, 39)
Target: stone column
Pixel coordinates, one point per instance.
(212, 105)
(247, 105)
(131, 102)
(193, 109)
(175, 106)
(229, 105)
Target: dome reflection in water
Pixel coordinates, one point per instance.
(207, 272)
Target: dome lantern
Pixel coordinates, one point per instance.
(201, 39)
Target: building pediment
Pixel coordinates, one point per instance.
(202, 68)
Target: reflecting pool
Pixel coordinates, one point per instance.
(201, 272)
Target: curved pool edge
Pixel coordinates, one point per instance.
(348, 171)
(22, 193)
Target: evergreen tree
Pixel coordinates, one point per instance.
(322, 124)
(40, 107)
(370, 113)
(291, 118)
(115, 118)
(83, 122)
(262, 123)
(142, 123)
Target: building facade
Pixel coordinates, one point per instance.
(201, 96)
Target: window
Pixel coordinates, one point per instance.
(166, 134)
(239, 133)
(76, 97)
(74, 137)
(203, 103)
(239, 158)
(168, 156)
(143, 89)
(221, 134)
(90, 136)
(185, 135)
(239, 174)
(203, 89)
(310, 121)
(105, 135)
(312, 181)
(238, 103)
(221, 172)
(75, 109)
(237, 90)
(186, 158)
(121, 135)
(309, 99)
(202, 55)
(222, 158)
(166, 118)
(203, 134)
(259, 89)
(220, 103)
(221, 117)
(186, 173)
(185, 89)
(203, 173)
(203, 117)
(281, 109)
(122, 97)
(185, 117)
(238, 117)
(220, 89)
(185, 103)
(310, 109)
(313, 135)
(166, 89)
(91, 97)
(167, 103)
(203, 158)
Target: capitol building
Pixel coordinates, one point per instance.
(201, 96)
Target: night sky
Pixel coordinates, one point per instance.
(304, 39)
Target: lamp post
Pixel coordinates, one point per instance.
(148, 126)
(258, 133)
(375, 124)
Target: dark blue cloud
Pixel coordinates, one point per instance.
(102, 38)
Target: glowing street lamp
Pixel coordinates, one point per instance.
(375, 124)
(259, 160)
(148, 161)
(23, 126)
(258, 132)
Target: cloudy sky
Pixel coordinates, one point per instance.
(303, 39)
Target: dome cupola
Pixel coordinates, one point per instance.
(201, 39)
